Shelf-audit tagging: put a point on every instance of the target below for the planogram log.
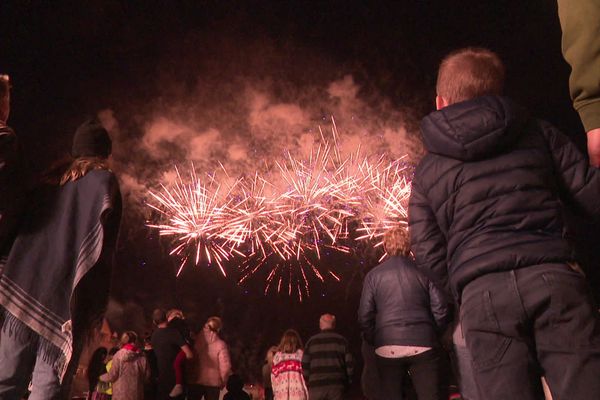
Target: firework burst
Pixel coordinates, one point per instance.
(284, 232)
(193, 217)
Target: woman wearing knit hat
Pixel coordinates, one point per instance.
(54, 286)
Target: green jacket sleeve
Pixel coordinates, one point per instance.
(580, 23)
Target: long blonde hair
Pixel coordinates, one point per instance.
(290, 342)
(396, 242)
(81, 166)
(69, 169)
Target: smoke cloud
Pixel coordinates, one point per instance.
(248, 132)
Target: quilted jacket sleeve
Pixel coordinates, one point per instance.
(428, 243)
(578, 181)
(367, 311)
(439, 306)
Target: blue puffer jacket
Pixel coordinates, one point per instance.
(400, 306)
(488, 195)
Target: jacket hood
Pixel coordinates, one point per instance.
(474, 129)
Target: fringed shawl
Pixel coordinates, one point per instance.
(64, 234)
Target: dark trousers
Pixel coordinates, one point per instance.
(326, 393)
(529, 322)
(425, 371)
(196, 392)
(20, 362)
(268, 393)
(163, 389)
(466, 379)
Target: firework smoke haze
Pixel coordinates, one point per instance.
(268, 130)
(241, 117)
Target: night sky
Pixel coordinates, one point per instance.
(139, 59)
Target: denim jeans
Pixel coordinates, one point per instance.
(464, 366)
(20, 364)
(521, 322)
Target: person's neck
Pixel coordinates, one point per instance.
(162, 325)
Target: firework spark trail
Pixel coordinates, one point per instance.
(287, 229)
(194, 217)
(387, 190)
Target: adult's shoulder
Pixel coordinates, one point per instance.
(120, 354)
(386, 267)
(102, 175)
(220, 344)
(337, 336)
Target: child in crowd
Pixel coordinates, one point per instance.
(97, 367)
(486, 219)
(286, 374)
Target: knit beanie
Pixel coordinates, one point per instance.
(91, 140)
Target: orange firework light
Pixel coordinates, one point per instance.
(285, 231)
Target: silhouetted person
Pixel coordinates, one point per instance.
(211, 368)
(401, 314)
(96, 368)
(56, 280)
(485, 217)
(167, 342)
(327, 363)
(129, 371)
(286, 374)
(266, 372)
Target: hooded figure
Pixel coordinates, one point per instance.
(54, 286)
(485, 218)
(129, 371)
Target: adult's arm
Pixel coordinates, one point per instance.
(349, 361)
(439, 306)
(224, 364)
(306, 358)
(578, 181)
(367, 310)
(189, 354)
(428, 243)
(580, 23)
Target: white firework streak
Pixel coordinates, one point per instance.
(285, 231)
(195, 219)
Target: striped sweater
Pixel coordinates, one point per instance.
(327, 360)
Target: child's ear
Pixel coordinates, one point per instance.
(440, 102)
